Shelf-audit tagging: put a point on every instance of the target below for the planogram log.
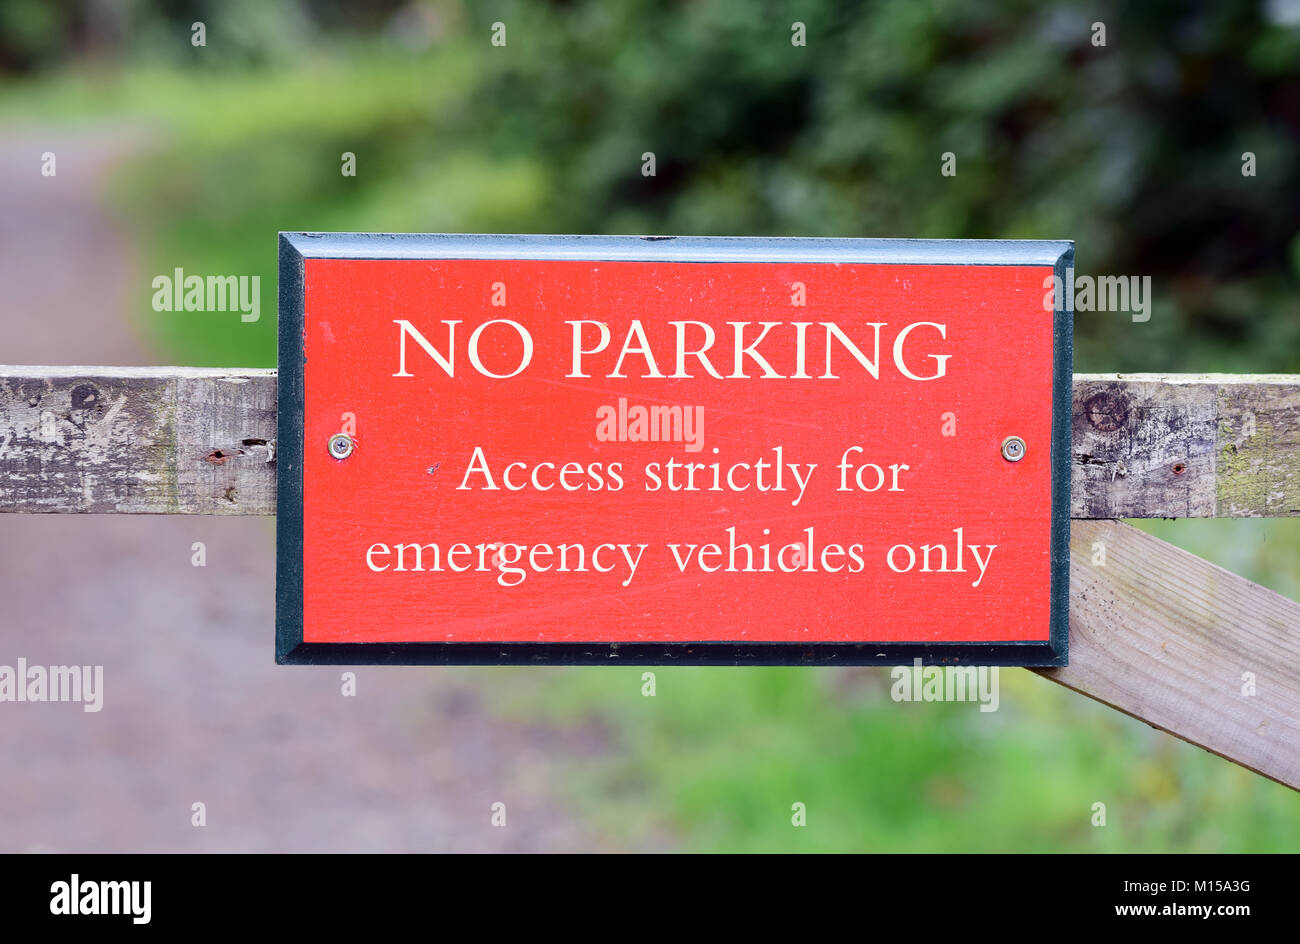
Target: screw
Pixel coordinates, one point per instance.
(1013, 449)
(341, 445)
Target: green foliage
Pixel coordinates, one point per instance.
(718, 756)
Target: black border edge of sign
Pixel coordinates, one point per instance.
(295, 248)
(289, 647)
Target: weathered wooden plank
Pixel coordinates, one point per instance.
(137, 440)
(1145, 445)
(1186, 446)
(1178, 642)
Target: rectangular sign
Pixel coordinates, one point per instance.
(672, 450)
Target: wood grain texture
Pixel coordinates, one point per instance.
(1186, 446)
(1145, 445)
(137, 440)
(1167, 637)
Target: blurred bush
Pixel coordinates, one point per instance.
(1135, 149)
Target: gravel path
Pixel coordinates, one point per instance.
(195, 711)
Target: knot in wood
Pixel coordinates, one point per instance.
(1106, 412)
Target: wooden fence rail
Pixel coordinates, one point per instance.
(1155, 632)
(172, 440)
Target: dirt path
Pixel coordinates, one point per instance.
(194, 710)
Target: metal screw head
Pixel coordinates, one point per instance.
(1013, 449)
(341, 445)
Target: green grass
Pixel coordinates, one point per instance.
(718, 756)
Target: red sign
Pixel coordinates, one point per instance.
(689, 450)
